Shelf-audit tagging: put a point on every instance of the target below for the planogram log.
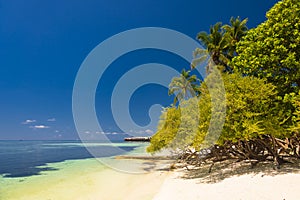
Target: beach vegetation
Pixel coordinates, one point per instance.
(248, 106)
(220, 44)
(184, 86)
(272, 49)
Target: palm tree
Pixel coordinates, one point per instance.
(234, 33)
(220, 44)
(184, 86)
(216, 47)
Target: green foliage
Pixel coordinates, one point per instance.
(177, 126)
(216, 46)
(234, 33)
(295, 100)
(251, 113)
(167, 128)
(184, 86)
(251, 108)
(272, 50)
(189, 120)
(220, 44)
(212, 109)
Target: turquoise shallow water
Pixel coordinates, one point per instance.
(27, 158)
(19, 187)
(37, 173)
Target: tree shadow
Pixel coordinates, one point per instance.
(33, 171)
(227, 169)
(157, 165)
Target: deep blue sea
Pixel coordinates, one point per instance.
(27, 158)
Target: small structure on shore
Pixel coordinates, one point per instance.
(137, 139)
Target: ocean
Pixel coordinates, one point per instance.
(66, 170)
(29, 158)
(34, 170)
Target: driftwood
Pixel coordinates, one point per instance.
(266, 148)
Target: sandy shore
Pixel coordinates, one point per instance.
(257, 184)
(244, 187)
(84, 180)
(89, 180)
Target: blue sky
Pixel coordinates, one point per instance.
(43, 44)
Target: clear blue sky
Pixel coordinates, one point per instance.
(43, 43)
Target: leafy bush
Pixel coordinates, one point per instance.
(272, 49)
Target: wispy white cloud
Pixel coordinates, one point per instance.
(112, 133)
(51, 120)
(148, 131)
(39, 127)
(28, 121)
(105, 133)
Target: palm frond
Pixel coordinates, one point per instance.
(198, 61)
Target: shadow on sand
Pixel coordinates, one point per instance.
(223, 170)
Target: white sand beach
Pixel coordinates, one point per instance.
(245, 187)
(89, 180)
